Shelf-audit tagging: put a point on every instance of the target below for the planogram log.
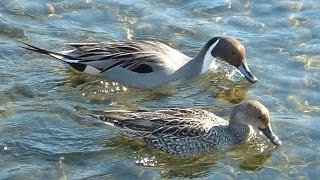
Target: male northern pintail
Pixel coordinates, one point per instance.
(146, 64)
(190, 132)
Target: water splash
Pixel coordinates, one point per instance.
(146, 161)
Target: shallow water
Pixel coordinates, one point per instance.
(45, 134)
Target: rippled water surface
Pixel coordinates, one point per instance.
(45, 133)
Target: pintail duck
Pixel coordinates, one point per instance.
(147, 64)
(191, 132)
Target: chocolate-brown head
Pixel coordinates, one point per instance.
(233, 52)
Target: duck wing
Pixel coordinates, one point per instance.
(136, 56)
(175, 122)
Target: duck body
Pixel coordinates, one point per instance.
(189, 132)
(152, 67)
(147, 64)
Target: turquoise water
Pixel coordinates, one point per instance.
(45, 134)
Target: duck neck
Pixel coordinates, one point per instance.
(200, 64)
(205, 55)
(239, 131)
(187, 71)
(229, 135)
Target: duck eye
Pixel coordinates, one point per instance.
(234, 53)
(260, 117)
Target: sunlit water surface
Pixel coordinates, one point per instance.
(45, 133)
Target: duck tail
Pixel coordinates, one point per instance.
(111, 120)
(63, 57)
(118, 122)
(72, 61)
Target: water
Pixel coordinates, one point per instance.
(45, 133)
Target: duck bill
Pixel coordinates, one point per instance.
(244, 69)
(272, 137)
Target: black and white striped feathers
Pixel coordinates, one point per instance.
(94, 58)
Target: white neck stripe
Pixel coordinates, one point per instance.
(208, 59)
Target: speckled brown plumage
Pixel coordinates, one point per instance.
(190, 132)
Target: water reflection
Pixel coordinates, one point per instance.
(210, 163)
(256, 162)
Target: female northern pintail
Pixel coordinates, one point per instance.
(190, 132)
(146, 64)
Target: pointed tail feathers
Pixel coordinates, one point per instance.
(63, 57)
(117, 121)
(111, 120)
(72, 61)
